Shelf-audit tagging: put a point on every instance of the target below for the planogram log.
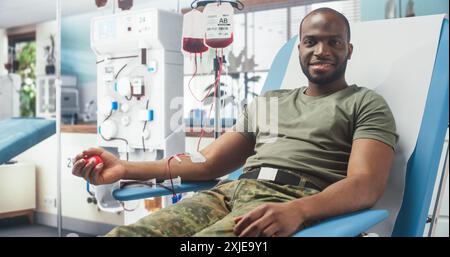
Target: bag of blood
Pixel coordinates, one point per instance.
(194, 32)
(219, 25)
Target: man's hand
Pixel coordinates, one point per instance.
(271, 219)
(110, 171)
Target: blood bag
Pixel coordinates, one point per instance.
(194, 32)
(101, 3)
(125, 4)
(219, 25)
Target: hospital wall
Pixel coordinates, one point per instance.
(375, 9)
(43, 32)
(77, 58)
(78, 214)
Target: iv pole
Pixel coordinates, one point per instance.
(58, 117)
(217, 105)
(217, 120)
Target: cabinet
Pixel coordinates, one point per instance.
(74, 195)
(16, 201)
(46, 96)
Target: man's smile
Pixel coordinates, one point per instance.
(322, 66)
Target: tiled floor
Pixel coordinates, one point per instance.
(18, 227)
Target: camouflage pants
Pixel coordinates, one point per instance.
(212, 212)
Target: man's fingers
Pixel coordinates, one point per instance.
(270, 231)
(98, 167)
(77, 167)
(93, 176)
(242, 224)
(248, 218)
(237, 219)
(95, 173)
(78, 157)
(256, 228)
(88, 169)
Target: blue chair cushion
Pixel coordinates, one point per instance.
(19, 134)
(348, 225)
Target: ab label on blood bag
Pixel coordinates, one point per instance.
(219, 25)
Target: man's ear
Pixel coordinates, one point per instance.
(350, 51)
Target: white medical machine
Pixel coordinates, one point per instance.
(9, 96)
(139, 88)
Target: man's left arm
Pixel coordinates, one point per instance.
(367, 176)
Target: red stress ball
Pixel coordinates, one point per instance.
(96, 159)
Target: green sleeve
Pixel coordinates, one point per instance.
(375, 120)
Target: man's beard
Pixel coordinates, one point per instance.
(321, 80)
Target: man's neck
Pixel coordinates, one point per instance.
(324, 89)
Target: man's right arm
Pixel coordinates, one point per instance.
(224, 155)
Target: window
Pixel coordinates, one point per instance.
(297, 14)
(266, 36)
(350, 8)
(22, 51)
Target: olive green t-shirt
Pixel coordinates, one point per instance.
(314, 135)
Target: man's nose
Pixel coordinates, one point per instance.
(321, 49)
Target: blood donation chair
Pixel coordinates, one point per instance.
(18, 179)
(19, 134)
(406, 61)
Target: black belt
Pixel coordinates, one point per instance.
(280, 177)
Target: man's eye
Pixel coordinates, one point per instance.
(336, 42)
(309, 42)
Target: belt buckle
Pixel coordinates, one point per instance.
(266, 173)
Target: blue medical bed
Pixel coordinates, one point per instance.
(19, 134)
(422, 166)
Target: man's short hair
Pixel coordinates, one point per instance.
(328, 10)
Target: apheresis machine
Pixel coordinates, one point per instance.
(139, 88)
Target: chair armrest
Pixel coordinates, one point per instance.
(348, 225)
(141, 192)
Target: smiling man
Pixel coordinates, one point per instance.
(324, 50)
(331, 155)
